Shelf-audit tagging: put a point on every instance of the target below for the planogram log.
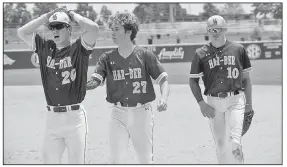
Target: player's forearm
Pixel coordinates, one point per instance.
(164, 89)
(195, 89)
(247, 90)
(32, 26)
(84, 22)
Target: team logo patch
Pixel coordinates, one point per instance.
(55, 17)
(215, 21)
(253, 51)
(35, 60)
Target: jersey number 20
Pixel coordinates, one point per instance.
(232, 73)
(67, 75)
(137, 86)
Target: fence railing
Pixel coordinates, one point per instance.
(178, 28)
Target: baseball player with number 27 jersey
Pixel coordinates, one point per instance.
(63, 67)
(224, 67)
(127, 71)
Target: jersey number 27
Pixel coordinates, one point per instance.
(137, 87)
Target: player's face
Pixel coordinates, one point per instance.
(118, 33)
(216, 33)
(60, 32)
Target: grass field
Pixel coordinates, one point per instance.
(182, 135)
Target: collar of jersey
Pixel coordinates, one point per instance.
(226, 42)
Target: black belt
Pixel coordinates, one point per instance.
(128, 105)
(62, 108)
(224, 94)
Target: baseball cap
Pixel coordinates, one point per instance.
(216, 21)
(59, 17)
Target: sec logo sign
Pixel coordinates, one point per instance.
(35, 60)
(253, 51)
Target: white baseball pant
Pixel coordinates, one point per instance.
(227, 126)
(135, 123)
(65, 129)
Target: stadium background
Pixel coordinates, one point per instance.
(178, 138)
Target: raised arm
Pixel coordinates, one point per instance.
(26, 31)
(91, 29)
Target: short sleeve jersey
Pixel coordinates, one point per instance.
(128, 79)
(63, 71)
(221, 68)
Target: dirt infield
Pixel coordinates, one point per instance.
(182, 135)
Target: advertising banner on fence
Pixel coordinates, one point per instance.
(21, 59)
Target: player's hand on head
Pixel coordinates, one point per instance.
(206, 109)
(63, 9)
(162, 104)
(54, 11)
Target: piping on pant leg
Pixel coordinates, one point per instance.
(86, 134)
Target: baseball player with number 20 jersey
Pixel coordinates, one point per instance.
(63, 67)
(127, 71)
(224, 67)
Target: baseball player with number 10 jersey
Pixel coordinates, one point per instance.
(224, 67)
(127, 71)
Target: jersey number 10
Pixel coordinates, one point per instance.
(232, 73)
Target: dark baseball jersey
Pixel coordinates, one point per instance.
(64, 71)
(128, 79)
(221, 68)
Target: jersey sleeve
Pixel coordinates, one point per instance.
(38, 43)
(100, 72)
(246, 64)
(85, 49)
(195, 70)
(154, 67)
(85, 45)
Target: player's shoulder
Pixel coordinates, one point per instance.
(143, 51)
(204, 47)
(110, 53)
(40, 36)
(141, 48)
(202, 50)
(42, 39)
(235, 44)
